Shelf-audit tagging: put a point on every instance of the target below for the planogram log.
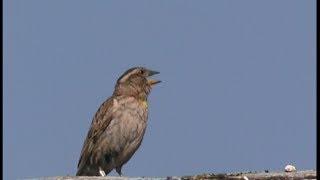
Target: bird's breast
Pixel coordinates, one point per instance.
(130, 119)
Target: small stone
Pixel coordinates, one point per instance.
(290, 168)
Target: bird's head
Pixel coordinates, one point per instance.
(136, 81)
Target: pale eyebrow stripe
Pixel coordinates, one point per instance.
(128, 75)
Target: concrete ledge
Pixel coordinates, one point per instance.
(307, 174)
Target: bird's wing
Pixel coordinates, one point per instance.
(99, 123)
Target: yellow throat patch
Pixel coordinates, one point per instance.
(144, 103)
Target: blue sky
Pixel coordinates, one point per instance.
(238, 91)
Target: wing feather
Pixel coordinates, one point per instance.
(99, 123)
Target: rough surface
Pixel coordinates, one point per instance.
(307, 174)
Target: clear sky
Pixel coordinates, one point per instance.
(238, 91)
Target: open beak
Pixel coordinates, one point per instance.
(152, 81)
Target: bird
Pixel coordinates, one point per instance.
(118, 126)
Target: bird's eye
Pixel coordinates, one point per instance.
(141, 71)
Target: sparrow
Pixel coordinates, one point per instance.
(118, 127)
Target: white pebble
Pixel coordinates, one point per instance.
(290, 168)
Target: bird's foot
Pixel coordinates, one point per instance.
(101, 171)
(119, 171)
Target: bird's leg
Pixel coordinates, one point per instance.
(101, 171)
(118, 169)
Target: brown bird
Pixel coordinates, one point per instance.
(118, 127)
